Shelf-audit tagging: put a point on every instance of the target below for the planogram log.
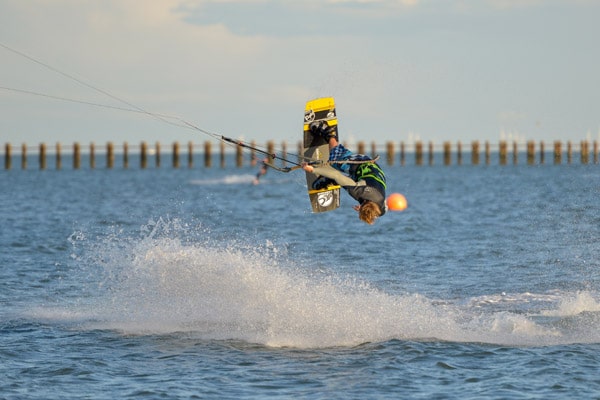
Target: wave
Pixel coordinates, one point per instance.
(171, 280)
(238, 179)
(225, 180)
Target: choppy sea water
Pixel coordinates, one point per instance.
(194, 283)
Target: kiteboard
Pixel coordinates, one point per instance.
(316, 149)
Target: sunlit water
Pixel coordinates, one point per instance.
(194, 283)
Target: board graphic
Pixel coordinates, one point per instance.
(315, 148)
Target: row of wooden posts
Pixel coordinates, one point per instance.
(145, 152)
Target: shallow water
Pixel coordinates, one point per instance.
(195, 283)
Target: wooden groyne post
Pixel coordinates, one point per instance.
(175, 155)
(284, 153)
(207, 154)
(361, 148)
(271, 149)
(57, 156)
(42, 156)
(530, 152)
(390, 153)
(110, 155)
(143, 155)
(503, 152)
(588, 152)
(402, 154)
(585, 152)
(430, 153)
(557, 152)
(239, 157)
(419, 153)
(92, 155)
(125, 155)
(475, 153)
(447, 153)
(7, 156)
(76, 156)
(157, 155)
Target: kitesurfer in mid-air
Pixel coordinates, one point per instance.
(364, 181)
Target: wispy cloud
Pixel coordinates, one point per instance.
(394, 65)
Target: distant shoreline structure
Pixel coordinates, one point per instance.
(418, 153)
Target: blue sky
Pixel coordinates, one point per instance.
(399, 69)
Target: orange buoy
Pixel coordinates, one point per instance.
(396, 202)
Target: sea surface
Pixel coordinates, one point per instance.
(196, 284)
